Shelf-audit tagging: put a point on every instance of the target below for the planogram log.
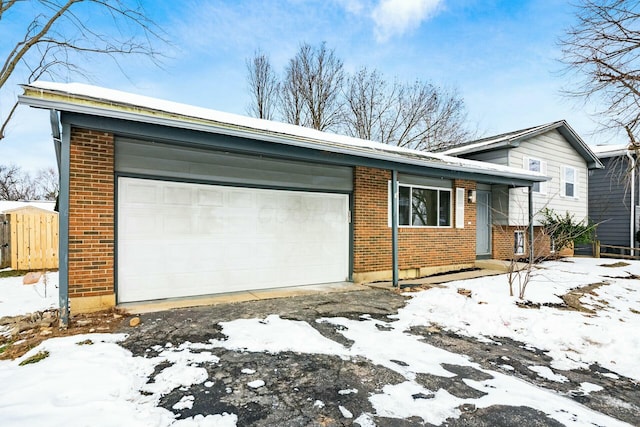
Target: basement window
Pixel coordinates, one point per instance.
(518, 242)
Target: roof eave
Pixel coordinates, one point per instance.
(138, 114)
(593, 162)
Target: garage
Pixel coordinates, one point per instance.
(270, 224)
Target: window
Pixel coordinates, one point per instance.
(518, 242)
(536, 165)
(424, 207)
(569, 181)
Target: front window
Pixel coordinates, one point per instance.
(424, 207)
(569, 181)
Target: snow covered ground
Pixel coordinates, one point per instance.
(96, 382)
(16, 298)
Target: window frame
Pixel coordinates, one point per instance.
(542, 186)
(516, 240)
(564, 181)
(439, 191)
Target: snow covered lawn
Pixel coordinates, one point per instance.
(573, 339)
(16, 298)
(91, 380)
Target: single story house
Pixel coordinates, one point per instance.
(164, 200)
(553, 149)
(614, 198)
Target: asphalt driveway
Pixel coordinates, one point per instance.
(294, 389)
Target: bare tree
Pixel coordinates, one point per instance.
(57, 35)
(292, 106)
(603, 51)
(371, 106)
(313, 82)
(47, 184)
(263, 86)
(419, 116)
(16, 184)
(317, 93)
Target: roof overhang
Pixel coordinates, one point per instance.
(514, 139)
(98, 107)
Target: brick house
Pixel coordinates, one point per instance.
(161, 200)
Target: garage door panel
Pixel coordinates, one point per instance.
(236, 239)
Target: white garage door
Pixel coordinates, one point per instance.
(181, 239)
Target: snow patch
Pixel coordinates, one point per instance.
(547, 373)
(256, 384)
(345, 412)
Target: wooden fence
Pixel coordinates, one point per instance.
(5, 234)
(625, 252)
(32, 242)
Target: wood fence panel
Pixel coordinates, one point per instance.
(623, 252)
(5, 235)
(34, 241)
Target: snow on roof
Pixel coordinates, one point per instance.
(495, 139)
(113, 100)
(10, 205)
(610, 150)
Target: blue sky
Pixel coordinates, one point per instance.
(502, 56)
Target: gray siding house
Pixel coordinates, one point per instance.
(555, 150)
(613, 197)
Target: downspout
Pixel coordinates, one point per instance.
(55, 133)
(61, 142)
(632, 218)
(394, 227)
(531, 257)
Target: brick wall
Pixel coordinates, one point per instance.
(417, 247)
(503, 242)
(91, 214)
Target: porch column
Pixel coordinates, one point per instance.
(531, 256)
(394, 226)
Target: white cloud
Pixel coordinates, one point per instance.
(395, 17)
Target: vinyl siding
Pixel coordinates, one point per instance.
(609, 201)
(499, 157)
(552, 148)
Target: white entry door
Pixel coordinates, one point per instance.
(183, 239)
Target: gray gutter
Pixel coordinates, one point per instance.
(283, 139)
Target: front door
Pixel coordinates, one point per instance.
(483, 224)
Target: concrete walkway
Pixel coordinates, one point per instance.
(231, 297)
(484, 268)
(489, 267)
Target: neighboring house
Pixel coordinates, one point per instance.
(164, 200)
(613, 197)
(28, 235)
(553, 149)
